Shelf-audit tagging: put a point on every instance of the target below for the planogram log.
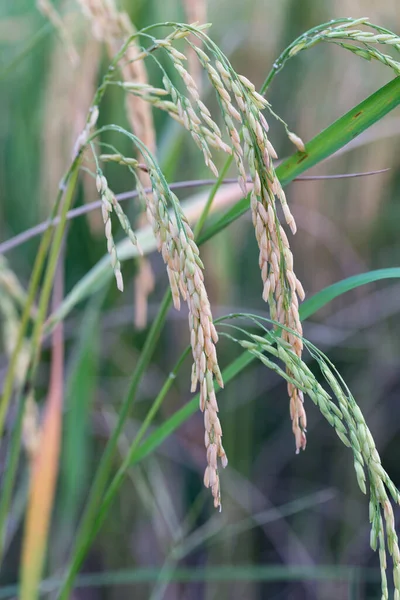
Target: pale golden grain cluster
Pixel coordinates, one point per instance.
(281, 288)
(175, 242)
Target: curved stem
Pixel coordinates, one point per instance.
(285, 55)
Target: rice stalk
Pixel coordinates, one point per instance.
(246, 128)
(47, 9)
(114, 28)
(66, 111)
(247, 140)
(350, 426)
(195, 12)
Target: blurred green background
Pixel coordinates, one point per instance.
(292, 527)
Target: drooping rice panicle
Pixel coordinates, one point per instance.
(341, 34)
(175, 242)
(195, 12)
(281, 288)
(349, 423)
(106, 210)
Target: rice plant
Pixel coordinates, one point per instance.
(229, 127)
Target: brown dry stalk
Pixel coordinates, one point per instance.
(44, 468)
(48, 10)
(114, 28)
(66, 111)
(196, 12)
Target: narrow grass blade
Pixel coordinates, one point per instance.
(313, 304)
(326, 143)
(221, 573)
(80, 387)
(308, 308)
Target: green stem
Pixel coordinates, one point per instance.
(27, 382)
(285, 55)
(117, 481)
(10, 472)
(103, 470)
(33, 287)
(202, 219)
